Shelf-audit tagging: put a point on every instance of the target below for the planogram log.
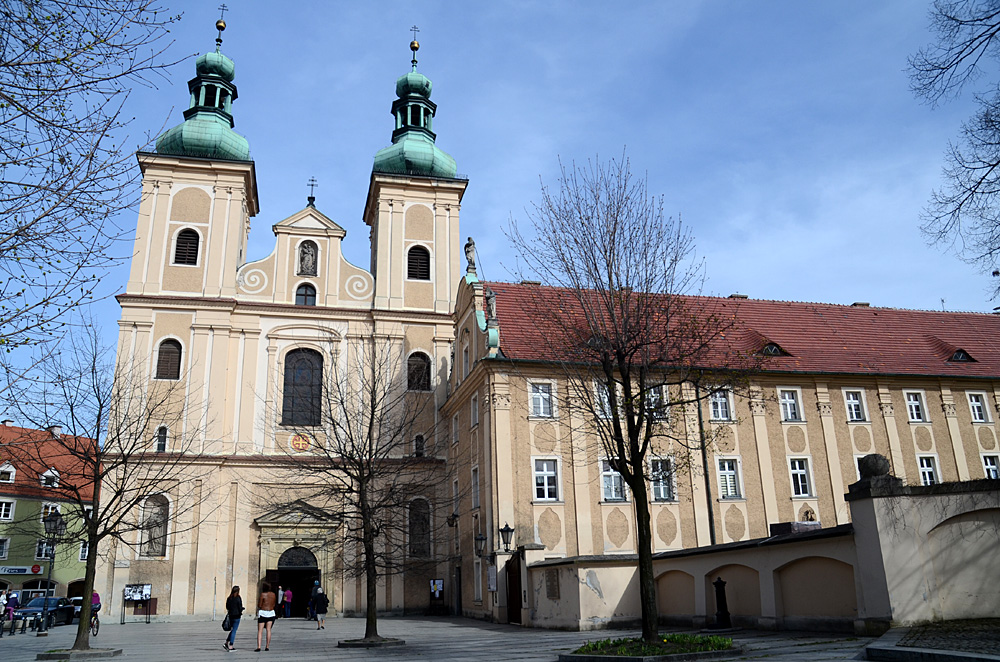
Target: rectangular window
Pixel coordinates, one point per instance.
(915, 407)
(4, 544)
(546, 480)
(602, 400)
(541, 400)
(791, 410)
(800, 476)
(465, 361)
(991, 466)
(977, 405)
(477, 581)
(612, 485)
(721, 411)
(661, 480)
(44, 550)
(474, 411)
(84, 550)
(729, 478)
(454, 429)
(928, 470)
(657, 406)
(7, 473)
(475, 487)
(7, 510)
(855, 406)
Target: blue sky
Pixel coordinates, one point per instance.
(783, 132)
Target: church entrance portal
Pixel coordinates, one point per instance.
(297, 569)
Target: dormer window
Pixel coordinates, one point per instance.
(50, 478)
(7, 472)
(773, 349)
(961, 356)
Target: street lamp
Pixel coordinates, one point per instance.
(480, 544)
(505, 534)
(55, 527)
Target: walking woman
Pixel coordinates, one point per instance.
(265, 615)
(234, 608)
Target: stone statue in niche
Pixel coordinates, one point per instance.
(491, 304)
(307, 259)
(470, 256)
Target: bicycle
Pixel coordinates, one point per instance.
(95, 624)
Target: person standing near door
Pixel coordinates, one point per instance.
(288, 602)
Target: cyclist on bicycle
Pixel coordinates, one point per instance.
(95, 603)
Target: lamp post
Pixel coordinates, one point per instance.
(506, 533)
(55, 527)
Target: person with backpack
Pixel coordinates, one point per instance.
(321, 603)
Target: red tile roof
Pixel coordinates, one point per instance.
(818, 337)
(33, 452)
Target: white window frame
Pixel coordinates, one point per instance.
(7, 466)
(991, 465)
(736, 471)
(800, 474)
(455, 434)
(862, 403)
(550, 478)
(4, 547)
(48, 508)
(541, 398)
(50, 474)
(658, 403)
(661, 487)
(857, 464)
(927, 465)
(166, 439)
(46, 546)
(610, 479)
(602, 400)
(173, 247)
(982, 407)
(474, 486)
(921, 404)
(474, 411)
(717, 399)
(13, 507)
(84, 550)
(796, 402)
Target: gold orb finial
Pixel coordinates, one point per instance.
(220, 25)
(414, 45)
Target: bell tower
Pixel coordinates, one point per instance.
(414, 198)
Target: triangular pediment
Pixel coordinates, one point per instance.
(309, 221)
(300, 514)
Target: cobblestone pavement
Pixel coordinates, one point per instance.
(431, 639)
(980, 636)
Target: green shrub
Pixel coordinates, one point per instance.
(668, 644)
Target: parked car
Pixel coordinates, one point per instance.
(60, 610)
(77, 603)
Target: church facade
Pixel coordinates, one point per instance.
(236, 342)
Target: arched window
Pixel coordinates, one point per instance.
(305, 295)
(418, 372)
(418, 445)
(307, 258)
(161, 439)
(418, 263)
(303, 389)
(420, 528)
(186, 250)
(155, 515)
(168, 360)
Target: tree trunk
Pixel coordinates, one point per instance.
(82, 641)
(371, 572)
(644, 543)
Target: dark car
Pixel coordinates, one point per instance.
(60, 610)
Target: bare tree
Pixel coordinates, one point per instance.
(636, 353)
(366, 456)
(965, 213)
(66, 71)
(117, 461)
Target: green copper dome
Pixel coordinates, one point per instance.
(413, 151)
(207, 129)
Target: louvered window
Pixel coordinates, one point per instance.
(186, 251)
(418, 263)
(168, 360)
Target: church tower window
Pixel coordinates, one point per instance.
(418, 372)
(303, 388)
(305, 295)
(418, 263)
(420, 528)
(186, 250)
(168, 360)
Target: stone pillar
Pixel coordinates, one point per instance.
(825, 408)
(954, 434)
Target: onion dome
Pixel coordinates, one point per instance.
(207, 129)
(413, 151)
